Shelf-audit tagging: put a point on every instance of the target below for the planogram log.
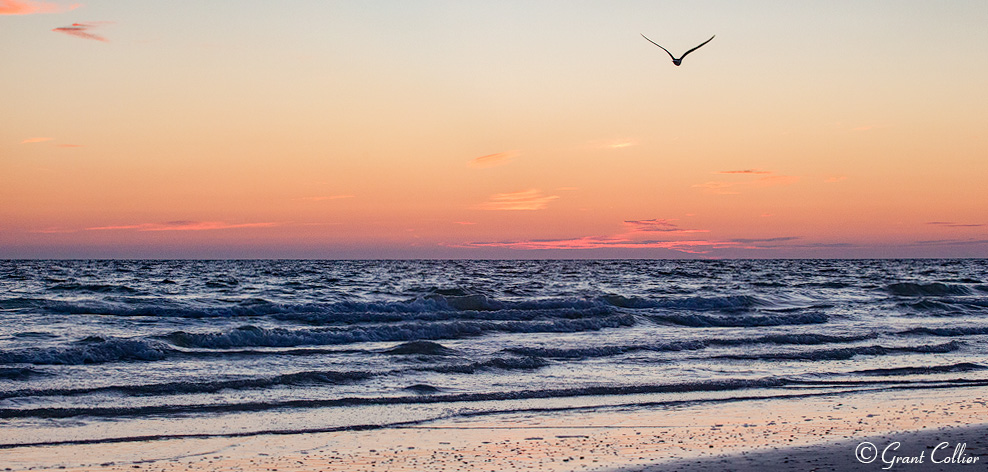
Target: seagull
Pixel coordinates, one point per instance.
(680, 60)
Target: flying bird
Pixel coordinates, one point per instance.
(680, 59)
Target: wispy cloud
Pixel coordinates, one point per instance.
(692, 247)
(36, 140)
(745, 171)
(768, 179)
(575, 243)
(952, 242)
(81, 30)
(616, 143)
(46, 139)
(641, 234)
(762, 241)
(492, 160)
(624, 143)
(951, 224)
(638, 236)
(660, 225)
(525, 200)
(29, 7)
(183, 225)
(689, 246)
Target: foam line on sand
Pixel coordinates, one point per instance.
(814, 433)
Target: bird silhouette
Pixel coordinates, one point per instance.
(680, 59)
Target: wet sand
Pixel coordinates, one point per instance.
(810, 433)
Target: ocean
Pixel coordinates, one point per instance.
(105, 351)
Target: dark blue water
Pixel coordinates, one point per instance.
(99, 350)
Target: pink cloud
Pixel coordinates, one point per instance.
(28, 7)
(589, 242)
(81, 30)
(36, 140)
(492, 160)
(638, 238)
(660, 225)
(635, 238)
(183, 225)
(525, 200)
(653, 224)
(691, 246)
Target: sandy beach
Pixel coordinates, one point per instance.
(942, 449)
(808, 433)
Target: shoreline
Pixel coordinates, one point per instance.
(739, 435)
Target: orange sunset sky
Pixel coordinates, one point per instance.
(507, 129)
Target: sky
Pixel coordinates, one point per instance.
(507, 129)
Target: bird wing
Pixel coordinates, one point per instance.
(694, 49)
(664, 49)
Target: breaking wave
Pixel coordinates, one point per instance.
(924, 370)
(207, 386)
(725, 303)
(936, 289)
(702, 386)
(89, 351)
(245, 336)
(739, 321)
(606, 351)
(951, 331)
(845, 353)
(425, 348)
